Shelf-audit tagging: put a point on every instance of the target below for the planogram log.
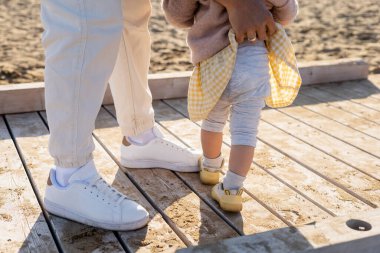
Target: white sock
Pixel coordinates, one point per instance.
(142, 138)
(214, 163)
(63, 175)
(232, 181)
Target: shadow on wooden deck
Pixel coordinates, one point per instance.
(334, 92)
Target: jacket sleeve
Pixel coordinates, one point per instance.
(284, 11)
(180, 13)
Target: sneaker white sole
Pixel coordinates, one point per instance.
(147, 164)
(67, 214)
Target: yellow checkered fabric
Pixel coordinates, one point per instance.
(210, 77)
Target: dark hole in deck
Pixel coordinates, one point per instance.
(358, 225)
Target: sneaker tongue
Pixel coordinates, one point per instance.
(157, 132)
(85, 173)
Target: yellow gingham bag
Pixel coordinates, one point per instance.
(210, 77)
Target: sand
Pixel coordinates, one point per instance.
(324, 29)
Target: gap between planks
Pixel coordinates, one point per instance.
(337, 102)
(321, 143)
(358, 140)
(349, 94)
(338, 115)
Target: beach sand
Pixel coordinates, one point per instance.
(324, 29)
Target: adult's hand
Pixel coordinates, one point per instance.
(249, 19)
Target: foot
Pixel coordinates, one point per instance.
(160, 153)
(229, 200)
(88, 199)
(209, 176)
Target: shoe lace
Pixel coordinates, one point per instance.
(107, 192)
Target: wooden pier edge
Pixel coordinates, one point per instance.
(331, 235)
(17, 98)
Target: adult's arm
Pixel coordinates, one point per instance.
(180, 13)
(284, 11)
(249, 18)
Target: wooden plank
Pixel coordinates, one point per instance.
(350, 180)
(332, 235)
(175, 85)
(291, 206)
(162, 85)
(350, 94)
(333, 70)
(194, 218)
(157, 236)
(23, 227)
(32, 137)
(295, 175)
(339, 116)
(169, 85)
(348, 135)
(346, 153)
(343, 104)
(21, 97)
(256, 218)
(361, 88)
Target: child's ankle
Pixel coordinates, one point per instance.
(213, 163)
(233, 181)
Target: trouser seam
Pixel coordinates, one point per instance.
(83, 31)
(130, 81)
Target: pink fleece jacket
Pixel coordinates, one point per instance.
(208, 22)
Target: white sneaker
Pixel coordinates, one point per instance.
(88, 199)
(160, 153)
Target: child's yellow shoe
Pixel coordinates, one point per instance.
(229, 200)
(209, 176)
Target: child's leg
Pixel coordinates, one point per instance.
(245, 117)
(212, 129)
(241, 157)
(211, 138)
(211, 143)
(248, 87)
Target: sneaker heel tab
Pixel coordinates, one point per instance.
(51, 178)
(49, 181)
(125, 142)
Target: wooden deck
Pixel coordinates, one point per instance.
(315, 160)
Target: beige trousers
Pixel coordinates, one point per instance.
(89, 43)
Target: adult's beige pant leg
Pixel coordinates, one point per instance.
(81, 41)
(129, 81)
